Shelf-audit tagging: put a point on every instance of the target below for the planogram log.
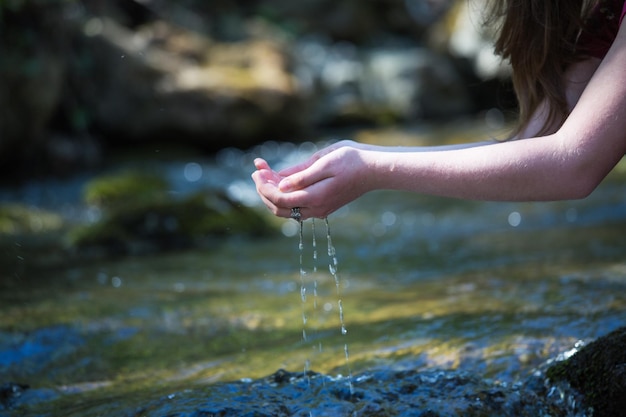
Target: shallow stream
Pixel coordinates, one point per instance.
(486, 291)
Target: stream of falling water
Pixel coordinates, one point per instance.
(333, 269)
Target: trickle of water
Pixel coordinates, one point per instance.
(332, 255)
(307, 363)
(332, 267)
(343, 326)
(302, 283)
(314, 245)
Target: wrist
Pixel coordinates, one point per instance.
(373, 172)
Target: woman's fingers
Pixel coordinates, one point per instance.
(300, 180)
(261, 163)
(266, 182)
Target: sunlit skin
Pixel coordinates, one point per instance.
(567, 164)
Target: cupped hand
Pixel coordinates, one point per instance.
(321, 153)
(319, 186)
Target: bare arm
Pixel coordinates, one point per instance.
(564, 165)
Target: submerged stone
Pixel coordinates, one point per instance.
(598, 371)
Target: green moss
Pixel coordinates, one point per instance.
(119, 189)
(598, 371)
(138, 213)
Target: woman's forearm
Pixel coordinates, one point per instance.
(529, 169)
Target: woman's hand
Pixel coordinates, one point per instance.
(325, 182)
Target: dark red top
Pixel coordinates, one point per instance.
(601, 27)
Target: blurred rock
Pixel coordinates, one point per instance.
(463, 35)
(137, 214)
(379, 85)
(165, 83)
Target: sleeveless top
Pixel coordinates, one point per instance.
(601, 28)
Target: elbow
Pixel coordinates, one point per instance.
(582, 182)
(581, 190)
(581, 169)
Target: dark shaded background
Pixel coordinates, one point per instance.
(81, 79)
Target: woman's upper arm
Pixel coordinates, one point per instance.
(595, 130)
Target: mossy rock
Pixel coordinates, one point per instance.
(19, 219)
(140, 215)
(598, 371)
(118, 189)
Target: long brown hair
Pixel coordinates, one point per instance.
(538, 37)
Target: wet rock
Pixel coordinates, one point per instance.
(371, 394)
(9, 393)
(598, 371)
(15, 396)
